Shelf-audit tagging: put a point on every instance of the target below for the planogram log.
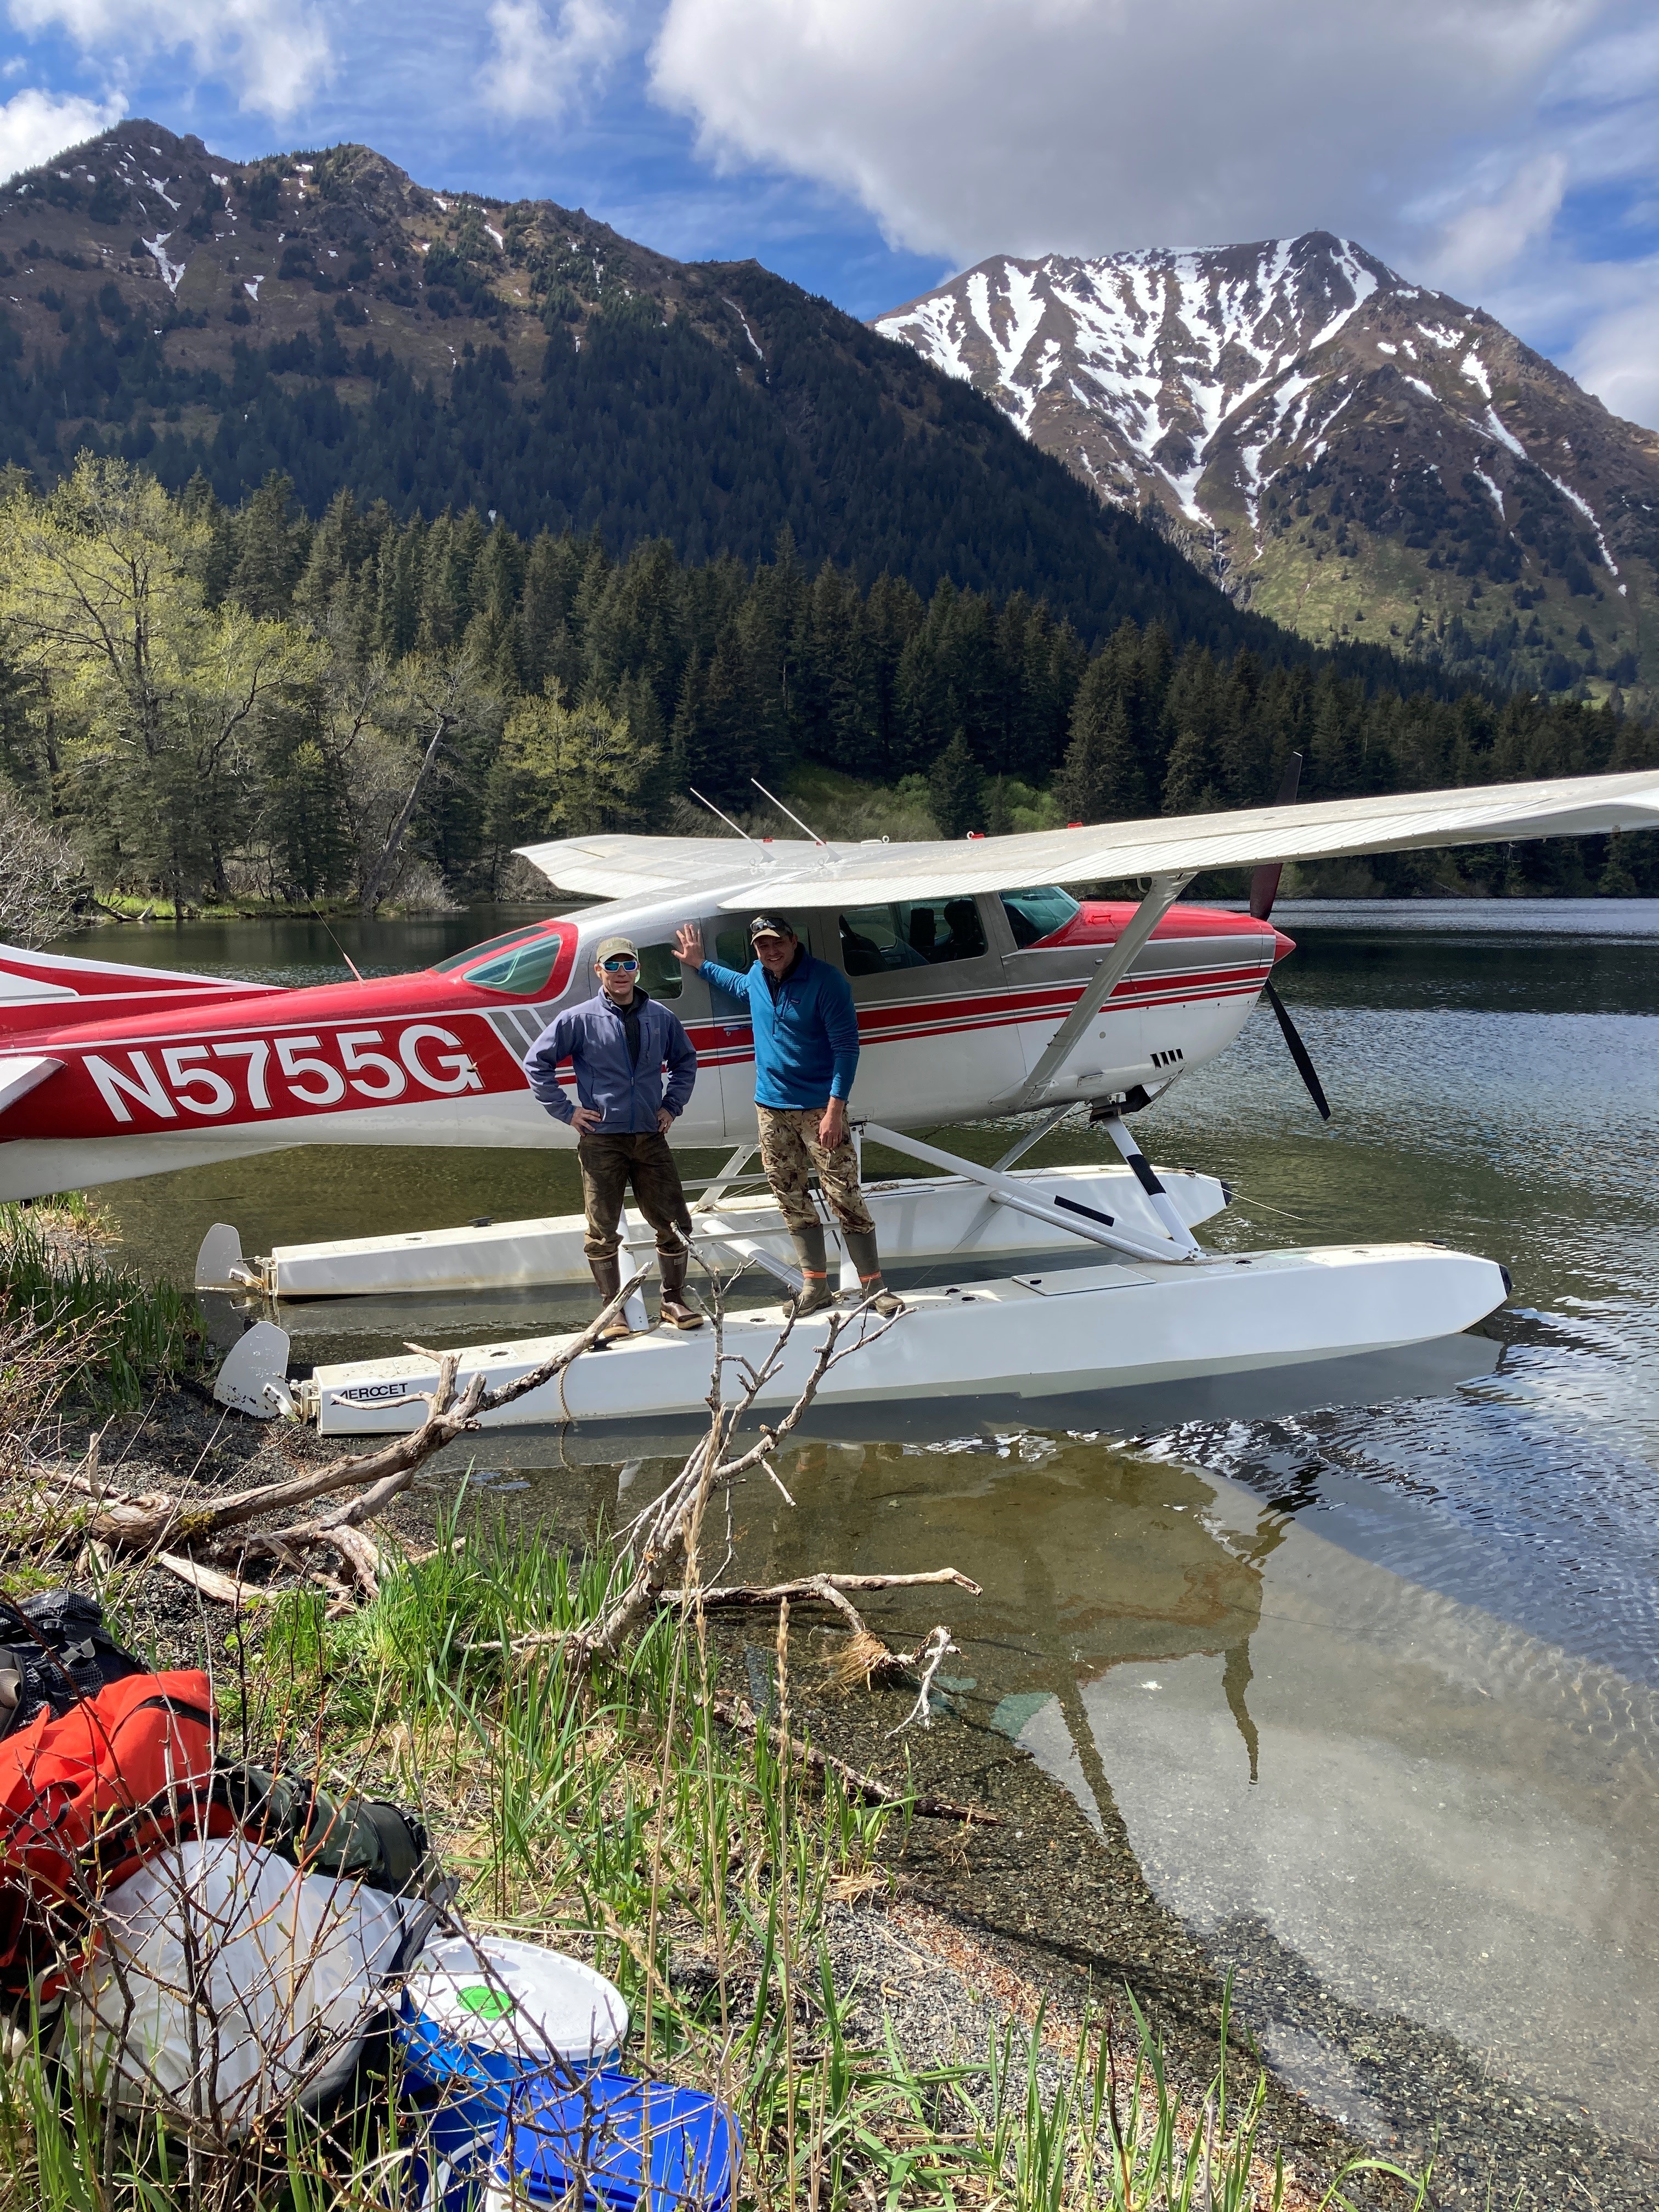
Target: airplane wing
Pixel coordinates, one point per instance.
(618, 868)
(785, 870)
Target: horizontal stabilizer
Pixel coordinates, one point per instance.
(43, 991)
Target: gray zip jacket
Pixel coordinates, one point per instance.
(593, 1037)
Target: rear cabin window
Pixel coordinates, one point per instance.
(1038, 912)
(732, 950)
(877, 940)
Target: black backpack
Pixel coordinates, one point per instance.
(55, 1651)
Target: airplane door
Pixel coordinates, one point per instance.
(729, 1030)
(935, 1039)
(684, 993)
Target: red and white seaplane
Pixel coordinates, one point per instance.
(978, 997)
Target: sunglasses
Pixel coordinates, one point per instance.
(620, 964)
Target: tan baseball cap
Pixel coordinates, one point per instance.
(610, 945)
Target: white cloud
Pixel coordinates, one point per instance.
(1616, 357)
(1483, 240)
(272, 54)
(536, 69)
(970, 126)
(34, 125)
(1506, 149)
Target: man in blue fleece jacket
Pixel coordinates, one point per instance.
(618, 1043)
(806, 1053)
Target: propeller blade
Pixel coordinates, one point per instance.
(1304, 1066)
(1264, 883)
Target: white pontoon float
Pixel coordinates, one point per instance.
(1027, 1337)
(918, 1223)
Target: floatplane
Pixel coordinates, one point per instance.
(984, 989)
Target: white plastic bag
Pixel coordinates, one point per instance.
(223, 1981)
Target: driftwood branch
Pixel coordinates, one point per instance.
(813, 1586)
(207, 1582)
(931, 1658)
(146, 1521)
(657, 1536)
(738, 1714)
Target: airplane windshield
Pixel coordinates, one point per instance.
(523, 968)
(526, 934)
(1039, 913)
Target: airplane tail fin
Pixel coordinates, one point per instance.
(41, 991)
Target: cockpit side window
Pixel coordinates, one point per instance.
(876, 940)
(1037, 914)
(533, 968)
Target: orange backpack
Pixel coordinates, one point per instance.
(86, 1798)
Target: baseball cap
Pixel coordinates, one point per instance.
(770, 925)
(612, 945)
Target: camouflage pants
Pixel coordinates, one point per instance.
(790, 1150)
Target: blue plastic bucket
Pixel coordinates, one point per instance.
(629, 2146)
(479, 2018)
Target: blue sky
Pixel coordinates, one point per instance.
(1507, 150)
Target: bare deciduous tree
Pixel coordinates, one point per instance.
(41, 875)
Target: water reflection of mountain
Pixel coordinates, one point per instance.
(1443, 1818)
(1090, 1558)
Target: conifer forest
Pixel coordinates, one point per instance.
(202, 704)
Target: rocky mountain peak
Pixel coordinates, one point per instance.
(1355, 454)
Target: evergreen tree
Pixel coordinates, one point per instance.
(1191, 782)
(1100, 779)
(271, 549)
(956, 789)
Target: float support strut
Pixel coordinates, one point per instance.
(1083, 1221)
(1157, 1197)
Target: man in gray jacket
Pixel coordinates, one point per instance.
(618, 1043)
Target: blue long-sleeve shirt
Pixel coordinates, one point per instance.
(593, 1037)
(807, 1032)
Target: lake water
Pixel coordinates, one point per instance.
(1369, 1663)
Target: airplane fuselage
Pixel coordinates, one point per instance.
(107, 1074)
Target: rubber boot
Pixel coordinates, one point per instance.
(814, 1293)
(607, 1281)
(861, 1250)
(675, 1311)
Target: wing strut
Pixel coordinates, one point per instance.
(1161, 894)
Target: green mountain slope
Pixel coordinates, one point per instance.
(325, 316)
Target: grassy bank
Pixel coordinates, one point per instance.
(727, 1884)
(610, 1815)
(107, 1335)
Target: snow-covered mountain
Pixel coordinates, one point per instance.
(1352, 453)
